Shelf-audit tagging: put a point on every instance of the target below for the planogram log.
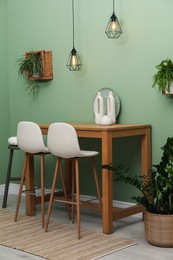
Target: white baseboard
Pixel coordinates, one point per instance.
(14, 188)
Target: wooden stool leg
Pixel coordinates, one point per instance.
(52, 192)
(4, 204)
(77, 195)
(42, 188)
(65, 191)
(73, 189)
(21, 186)
(97, 183)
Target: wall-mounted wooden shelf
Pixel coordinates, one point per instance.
(47, 66)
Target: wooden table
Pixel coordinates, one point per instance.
(106, 134)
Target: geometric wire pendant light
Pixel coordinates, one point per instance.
(74, 62)
(113, 29)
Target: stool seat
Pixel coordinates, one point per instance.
(13, 147)
(9, 178)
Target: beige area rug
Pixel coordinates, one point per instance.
(59, 243)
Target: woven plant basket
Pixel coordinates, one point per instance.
(159, 229)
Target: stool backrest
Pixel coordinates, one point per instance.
(29, 138)
(62, 140)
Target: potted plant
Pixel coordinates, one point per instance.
(156, 189)
(164, 76)
(30, 67)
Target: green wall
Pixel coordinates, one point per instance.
(4, 101)
(125, 65)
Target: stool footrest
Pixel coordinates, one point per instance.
(62, 199)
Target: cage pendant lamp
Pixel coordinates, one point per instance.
(113, 29)
(74, 62)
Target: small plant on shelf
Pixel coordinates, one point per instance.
(164, 76)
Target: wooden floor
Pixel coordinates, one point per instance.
(131, 227)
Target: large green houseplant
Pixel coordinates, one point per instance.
(30, 67)
(156, 189)
(164, 76)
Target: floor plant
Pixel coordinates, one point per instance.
(156, 196)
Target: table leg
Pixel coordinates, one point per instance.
(107, 184)
(69, 167)
(30, 197)
(146, 152)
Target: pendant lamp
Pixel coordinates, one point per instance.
(73, 63)
(113, 29)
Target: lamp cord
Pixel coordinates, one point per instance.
(73, 19)
(113, 6)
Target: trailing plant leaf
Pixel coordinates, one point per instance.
(31, 88)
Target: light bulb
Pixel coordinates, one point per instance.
(113, 25)
(74, 60)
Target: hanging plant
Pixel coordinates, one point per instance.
(164, 76)
(30, 67)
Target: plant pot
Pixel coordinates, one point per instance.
(171, 90)
(159, 229)
(36, 74)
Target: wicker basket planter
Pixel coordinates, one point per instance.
(159, 229)
(47, 67)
